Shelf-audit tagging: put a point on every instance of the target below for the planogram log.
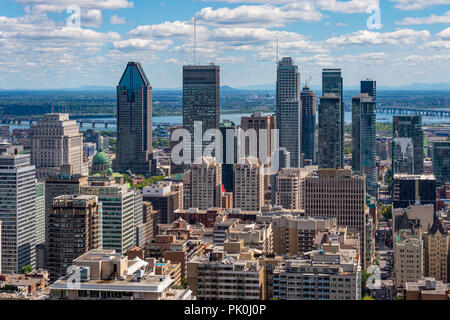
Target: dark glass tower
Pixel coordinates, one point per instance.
(308, 98)
(201, 101)
(364, 140)
(332, 82)
(134, 121)
(228, 131)
(330, 133)
(441, 161)
(408, 127)
(369, 86)
(288, 109)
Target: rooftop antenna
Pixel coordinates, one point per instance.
(195, 40)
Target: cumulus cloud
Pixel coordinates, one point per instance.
(115, 19)
(365, 37)
(418, 4)
(142, 44)
(444, 34)
(62, 5)
(175, 29)
(432, 19)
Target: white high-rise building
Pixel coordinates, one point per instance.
(249, 185)
(57, 141)
(205, 184)
(17, 212)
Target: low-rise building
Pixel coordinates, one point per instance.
(426, 289)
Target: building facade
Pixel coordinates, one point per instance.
(308, 98)
(249, 185)
(331, 152)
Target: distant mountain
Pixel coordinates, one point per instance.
(419, 86)
(264, 87)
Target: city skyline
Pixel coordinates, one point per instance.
(409, 47)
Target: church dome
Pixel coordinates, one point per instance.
(101, 158)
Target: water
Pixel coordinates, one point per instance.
(236, 118)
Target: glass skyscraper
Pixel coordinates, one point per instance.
(409, 127)
(330, 133)
(308, 98)
(364, 140)
(441, 161)
(134, 121)
(288, 109)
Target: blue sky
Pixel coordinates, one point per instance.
(41, 47)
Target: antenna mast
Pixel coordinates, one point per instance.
(195, 40)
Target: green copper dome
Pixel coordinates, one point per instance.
(101, 158)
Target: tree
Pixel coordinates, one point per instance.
(367, 297)
(26, 269)
(387, 212)
(364, 277)
(400, 297)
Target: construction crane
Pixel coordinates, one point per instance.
(307, 82)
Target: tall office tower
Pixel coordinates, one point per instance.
(163, 199)
(57, 141)
(408, 251)
(134, 121)
(205, 184)
(332, 82)
(342, 195)
(17, 212)
(290, 184)
(201, 102)
(249, 185)
(308, 98)
(139, 219)
(229, 153)
(330, 134)
(413, 190)
(436, 252)
(75, 226)
(288, 109)
(263, 142)
(441, 161)
(364, 131)
(175, 168)
(407, 127)
(118, 228)
(369, 86)
(40, 225)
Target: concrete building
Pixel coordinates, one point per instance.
(263, 126)
(436, 243)
(118, 215)
(331, 152)
(205, 184)
(57, 141)
(201, 102)
(75, 227)
(290, 187)
(308, 98)
(289, 109)
(134, 122)
(163, 199)
(342, 195)
(294, 235)
(194, 216)
(426, 289)
(364, 114)
(333, 83)
(105, 274)
(424, 214)
(17, 212)
(408, 251)
(249, 185)
(413, 190)
(227, 273)
(40, 225)
(407, 127)
(319, 275)
(441, 161)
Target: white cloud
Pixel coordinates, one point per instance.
(142, 44)
(365, 37)
(175, 29)
(92, 19)
(115, 19)
(418, 4)
(62, 5)
(444, 34)
(445, 18)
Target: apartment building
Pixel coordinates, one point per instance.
(205, 184)
(249, 185)
(436, 252)
(319, 275)
(165, 199)
(290, 187)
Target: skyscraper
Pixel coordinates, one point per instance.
(332, 82)
(364, 140)
(201, 102)
(369, 86)
(229, 157)
(308, 98)
(288, 109)
(441, 161)
(407, 127)
(17, 212)
(134, 121)
(57, 141)
(330, 133)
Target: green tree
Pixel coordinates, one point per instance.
(400, 297)
(387, 212)
(367, 297)
(26, 269)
